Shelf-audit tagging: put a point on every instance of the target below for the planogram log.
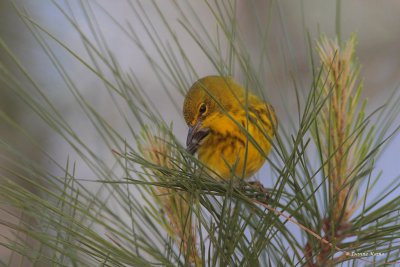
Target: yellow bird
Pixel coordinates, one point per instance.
(221, 115)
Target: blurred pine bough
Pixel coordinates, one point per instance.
(153, 205)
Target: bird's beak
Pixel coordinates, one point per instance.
(195, 135)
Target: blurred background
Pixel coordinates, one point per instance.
(376, 24)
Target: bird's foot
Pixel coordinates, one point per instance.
(256, 190)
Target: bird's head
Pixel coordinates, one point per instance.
(208, 99)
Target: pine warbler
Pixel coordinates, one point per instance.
(221, 116)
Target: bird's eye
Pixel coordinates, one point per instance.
(202, 109)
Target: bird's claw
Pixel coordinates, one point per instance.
(257, 190)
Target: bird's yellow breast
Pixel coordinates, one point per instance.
(229, 150)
